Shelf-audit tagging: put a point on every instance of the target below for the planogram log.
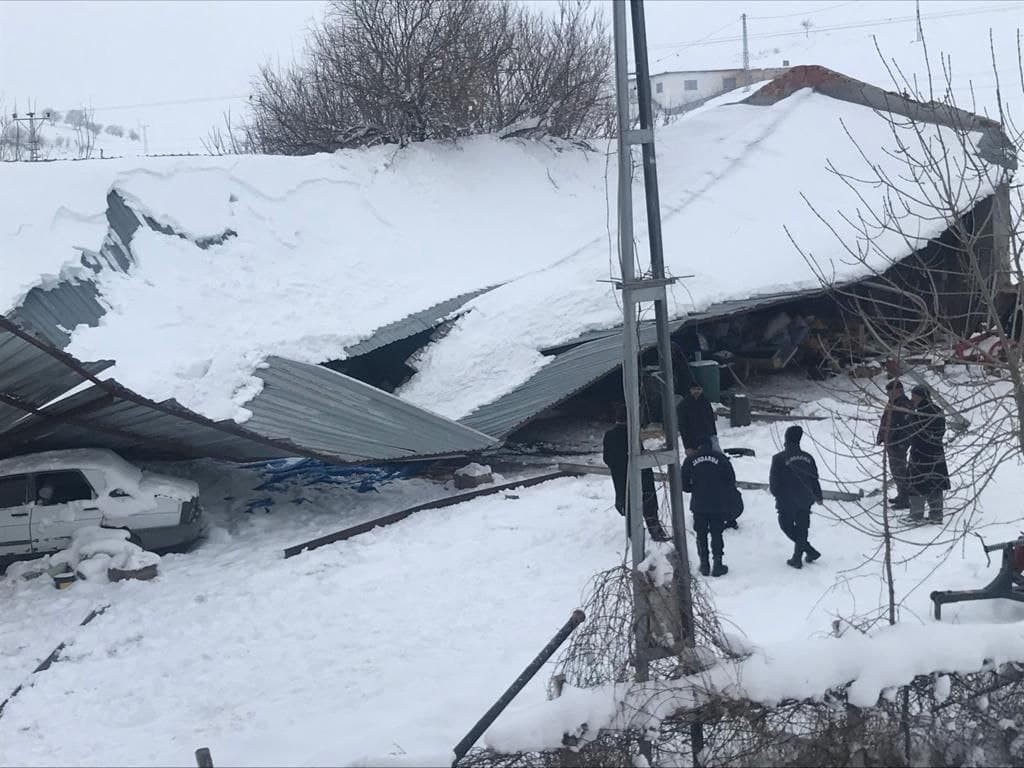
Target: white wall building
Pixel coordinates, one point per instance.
(675, 92)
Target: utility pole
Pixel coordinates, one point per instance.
(637, 290)
(920, 32)
(746, 56)
(33, 132)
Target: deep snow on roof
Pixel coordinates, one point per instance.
(325, 250)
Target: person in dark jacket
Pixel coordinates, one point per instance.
(616, 458)
(709, 479)
(928, 475)
(893, 433)
(696, 420)
(794, 484)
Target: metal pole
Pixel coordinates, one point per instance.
(917, 9)
(630, 342)
(460, 750)
(668, 417)
(746, 56)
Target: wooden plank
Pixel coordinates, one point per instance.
(596, 469)
(46, 663)
(772, 417)
(394, 517)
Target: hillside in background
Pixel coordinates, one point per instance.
(71, 135)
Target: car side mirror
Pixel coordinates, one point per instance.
(117, 493)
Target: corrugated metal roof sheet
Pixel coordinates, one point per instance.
(415, 323)
(304, 410)
(329, 412)
(592, 356)
(28, 379)
(53, 313)
(557, 381)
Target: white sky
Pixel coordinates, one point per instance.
(128, 59)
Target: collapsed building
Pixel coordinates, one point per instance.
(378, 402)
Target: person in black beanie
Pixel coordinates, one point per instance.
(794, 484)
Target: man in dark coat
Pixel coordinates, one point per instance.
(696, 420)
(794, 484)
(709, 479)
(893, 433)
(928, 475)
(616, 458)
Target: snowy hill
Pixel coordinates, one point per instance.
(69, 136)
(319, 252)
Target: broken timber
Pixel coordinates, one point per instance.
(772, 417)
(394, 517)
(46, 663)
(595, 469)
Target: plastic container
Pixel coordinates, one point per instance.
(64, 579)
(706, 373)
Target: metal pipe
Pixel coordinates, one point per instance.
(463, 747)
(630, 343)
(654, 235)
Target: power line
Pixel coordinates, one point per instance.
(698, 41)
(168, 103)
(857, 25)
(805, 14)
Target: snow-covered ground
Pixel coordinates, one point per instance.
(393, 643)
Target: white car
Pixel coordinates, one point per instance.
(45, 497)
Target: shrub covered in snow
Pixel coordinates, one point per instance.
(94, 551)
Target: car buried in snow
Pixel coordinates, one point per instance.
(46, 497)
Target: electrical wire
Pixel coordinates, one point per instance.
(804, 14)
(974, 11)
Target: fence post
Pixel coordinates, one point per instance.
(527, 674)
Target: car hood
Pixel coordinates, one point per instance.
(165, 485)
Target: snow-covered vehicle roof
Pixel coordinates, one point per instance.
(116, 472)
(75, 458)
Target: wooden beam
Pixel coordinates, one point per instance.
(394, 517)
(597, 469)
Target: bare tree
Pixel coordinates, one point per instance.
(226, 140)
(85, 131)
(950, 314)
(392, 71)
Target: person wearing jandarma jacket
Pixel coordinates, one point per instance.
(707, 475)
(928, 475)
(794, 484)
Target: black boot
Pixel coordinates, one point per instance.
(796, 561)
(811, 553)
(703, 553)
(659, 534)
(720, 568)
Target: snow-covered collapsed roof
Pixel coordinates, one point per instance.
(252, 257)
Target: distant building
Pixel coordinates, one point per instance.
(679, 91)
